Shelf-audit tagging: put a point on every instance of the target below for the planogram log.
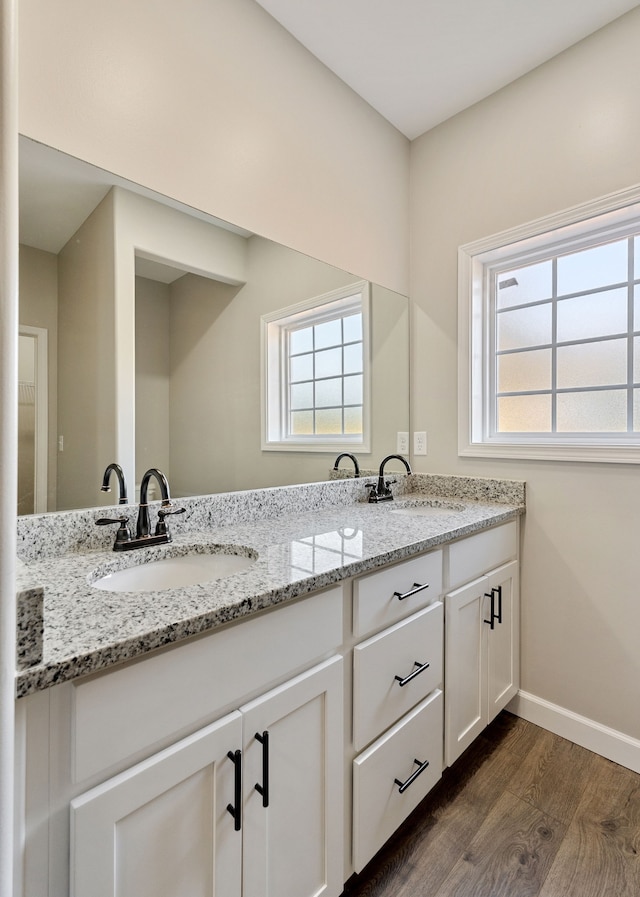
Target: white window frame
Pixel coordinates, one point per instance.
(273, 367)
(607, 218)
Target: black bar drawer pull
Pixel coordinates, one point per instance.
(402, 786)
(236, 811)
(264, 788)
(421, 668)
(495, 616)
(414, 591)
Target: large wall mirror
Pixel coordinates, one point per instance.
(140, 324)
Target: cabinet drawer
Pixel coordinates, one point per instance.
(377, 597)
(378, 697)
(476, 555)
(378, 806)
(119, 714)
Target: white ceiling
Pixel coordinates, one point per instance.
(418, 62)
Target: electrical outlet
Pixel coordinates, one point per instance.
(60, 443)
(402, 446)
(420, 442)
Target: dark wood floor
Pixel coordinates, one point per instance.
(523, 813)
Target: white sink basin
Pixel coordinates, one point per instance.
(175, 572)
(433, 508)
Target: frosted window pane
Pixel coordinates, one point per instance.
(593, 268)
(301, 396)
(636, 258)
(329, 363)
(636, 410)
(353, 421)
(329, 422)
(353, 359)
(524, 371)
(604, 411)
(329, 334)
(302, 423)
(524, 327)
(302, 367)
(353, 390)
(352, 328)
(636, 359)
(636, 308)
(329, 393)
(301, 340)
(533, 283)
(593, 364)
(601, 314)
(524, 414)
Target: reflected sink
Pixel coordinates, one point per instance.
(176, 572)
(433, 508)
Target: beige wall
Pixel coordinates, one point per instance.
(39, 308)
(86, 360)
(216, 105)
(152, 377)
(566, 133)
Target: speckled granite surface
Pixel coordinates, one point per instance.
(305, 538)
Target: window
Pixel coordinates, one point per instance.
(316, 373)
(549, 327)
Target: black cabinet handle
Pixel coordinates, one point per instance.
(402, 786)
(495, 616)
(264, 788)
(414, 591)
(236, 811)
(421, 668)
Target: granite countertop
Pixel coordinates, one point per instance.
(298, 551)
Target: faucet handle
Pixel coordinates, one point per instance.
(123, 534)
(166, 511)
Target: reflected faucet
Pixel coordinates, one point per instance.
(143, 538)
(381, 490)
(353, 458)
(122, 487)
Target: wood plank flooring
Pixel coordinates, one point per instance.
(523, 813)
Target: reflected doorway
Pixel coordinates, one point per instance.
(32, 420)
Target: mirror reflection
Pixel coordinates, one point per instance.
(142, 322)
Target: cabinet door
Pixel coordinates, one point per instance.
(503, 655)
(465, 695)
(293, 820)
(162, 829)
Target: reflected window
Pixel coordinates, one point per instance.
(316, 372)
(554, 335)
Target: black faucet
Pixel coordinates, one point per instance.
(381, 491)
(143, 538)
(353, 458)
(122, 487)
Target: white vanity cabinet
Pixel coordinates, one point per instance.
(275, 756)
(151, 767)
(190, 819)
(162, 828)
(482, 636)
(397, 698)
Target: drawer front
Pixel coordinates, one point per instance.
(411, 650)
(378, 805)
(476, 555)
(377, 597)
(122, 713)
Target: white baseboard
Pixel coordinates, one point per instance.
(609, 743)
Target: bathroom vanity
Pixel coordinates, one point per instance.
(263, 735)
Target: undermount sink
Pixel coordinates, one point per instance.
(431, 508)
(177, 572)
